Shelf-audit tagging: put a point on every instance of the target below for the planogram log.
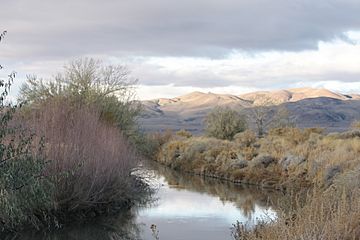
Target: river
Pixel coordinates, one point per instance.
(184, 207)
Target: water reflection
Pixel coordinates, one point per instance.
(191, 207)
(122, 227)
(187, 207)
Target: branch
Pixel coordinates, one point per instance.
(2, 35)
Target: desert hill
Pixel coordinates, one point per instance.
(308, 107)
(291, 95)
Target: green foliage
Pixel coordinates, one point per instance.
(25, 190)
(224, 123)
(88, 81)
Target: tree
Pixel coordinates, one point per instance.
(282, 119)
(89, 81)
(260, 116)
(266, 116)
(224, 123)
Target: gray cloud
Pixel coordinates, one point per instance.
(42, 35)
(58, 29)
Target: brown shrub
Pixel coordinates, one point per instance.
(184, 133)
(91, 162)
(150, 144)
(246, 138)
(299, 157)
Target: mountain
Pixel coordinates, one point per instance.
(308, 107)
(291, 95)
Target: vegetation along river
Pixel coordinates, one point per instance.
(182, 207)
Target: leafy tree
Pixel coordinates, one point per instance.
(89, 81)
(224, 123)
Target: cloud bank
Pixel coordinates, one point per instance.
(200, 44)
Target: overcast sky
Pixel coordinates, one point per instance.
(174, 47)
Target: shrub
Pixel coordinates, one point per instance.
(94, 160)
(150, 144)
(224, 123)
(80, 167)
(88, 81)
(183, 133)
(246, 138)
(25, 188)
(262, 161)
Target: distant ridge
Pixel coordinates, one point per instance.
(293, 95)
(188, 111)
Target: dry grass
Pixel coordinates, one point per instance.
(356, 125)
(285, 158)
(333, 214)
(288, 158)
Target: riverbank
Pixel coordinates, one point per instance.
(285, 158)
(325, 168)
(330, 214)
(183, 206)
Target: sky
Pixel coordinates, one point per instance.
(176, 47)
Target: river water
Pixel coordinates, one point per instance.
(192, 207)
(184, 207)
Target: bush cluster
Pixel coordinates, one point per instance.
(65, 154)
(285, 157)
(224, 123)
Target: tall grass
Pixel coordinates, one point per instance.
(333, 214)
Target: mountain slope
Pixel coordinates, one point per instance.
(308, 107)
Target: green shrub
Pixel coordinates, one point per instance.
(224, 123)
(26, 190)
